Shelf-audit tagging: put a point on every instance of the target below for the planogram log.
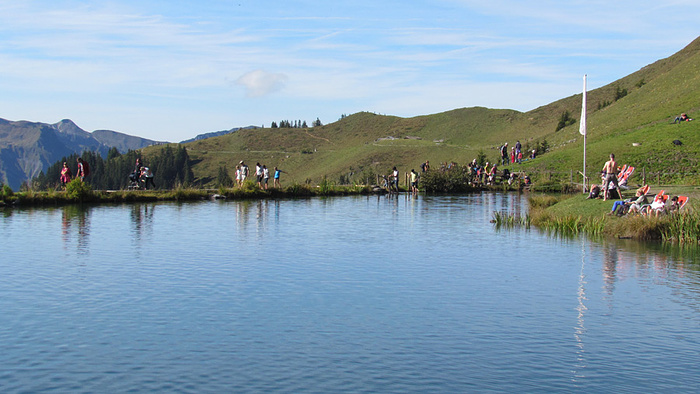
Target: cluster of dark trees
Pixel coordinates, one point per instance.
(171, 168)
(565, 120)
(298, 124)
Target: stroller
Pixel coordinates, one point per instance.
(134, 181)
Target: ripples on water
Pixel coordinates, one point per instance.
(367, 294)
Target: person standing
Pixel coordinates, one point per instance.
(244, 172)
(65, 174)
(504, 154)
(137, 167)
(238, 176)
(518, 152)
(610, 173)
(276, 181)
(425, 166)
(82, 169)
(414, 181)
(258, 174)
(395, 180)
(147, 177)
(266, 176)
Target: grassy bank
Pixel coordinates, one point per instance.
(83, 194)
(574, 214)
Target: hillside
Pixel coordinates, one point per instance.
(355, 143)
(638, 127)
(375, 143)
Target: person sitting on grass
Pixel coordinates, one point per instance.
(595, 192)
(682, 118)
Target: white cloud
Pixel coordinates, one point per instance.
(260, 83)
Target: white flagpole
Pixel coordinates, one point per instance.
(582, 130)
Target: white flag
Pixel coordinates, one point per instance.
(582, 127)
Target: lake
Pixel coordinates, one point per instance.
(351, 294)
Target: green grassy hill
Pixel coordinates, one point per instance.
(639, 127)
(636, 127)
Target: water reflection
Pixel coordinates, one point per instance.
(142, 221)
(580, 329)
(75, 220)
(249, 212)
(610, 260)
(655, 261)
(652, 264)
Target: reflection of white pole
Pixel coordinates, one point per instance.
(582, 130)
(580, 326)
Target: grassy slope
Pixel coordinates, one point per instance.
(355, 143)
(643, 117)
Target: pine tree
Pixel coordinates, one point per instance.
(113, 153)
(224, 179)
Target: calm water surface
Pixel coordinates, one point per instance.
(353, 294)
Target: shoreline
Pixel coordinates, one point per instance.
(575, 214)
(57, 198)
(246, 192)
(550, 210)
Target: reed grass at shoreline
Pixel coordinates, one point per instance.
(574, 217)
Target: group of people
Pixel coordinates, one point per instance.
(262, 175)
(610, 188)
(391, 181)
(489, 174)
(67, 174)
(515, 155)
(640, 204)
(141, 174)
(610, 185)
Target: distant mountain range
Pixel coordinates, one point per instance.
(27, 148)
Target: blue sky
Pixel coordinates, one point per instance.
(169, 70)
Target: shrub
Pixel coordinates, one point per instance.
(455, 180)
(6, 191)
(78, 190)
(298, 190)
(367, 177)
(325, 187)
